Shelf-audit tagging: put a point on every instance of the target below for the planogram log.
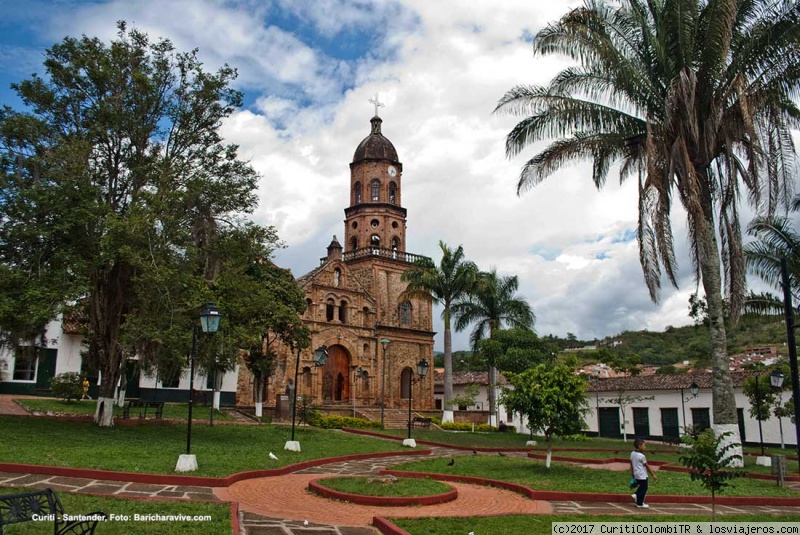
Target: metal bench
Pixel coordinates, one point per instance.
(158, 406)
(44, 506)
(424, 423)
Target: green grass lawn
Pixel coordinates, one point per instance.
(403, 487)
(172, 411)
(541, 524)
(154, 448)
(75, 504)
(571, 478)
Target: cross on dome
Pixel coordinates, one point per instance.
(377, 103)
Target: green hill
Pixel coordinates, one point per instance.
(692, 343)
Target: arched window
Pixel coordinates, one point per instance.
(357, 192)
(343, 311)
(353, 243)
(309, 304)
(395, 243)
(375, 189)
(405, 313)
(375, 241)
(329, 306)
(337, 277)
(365, 314)
(307, 377)
(393, 193)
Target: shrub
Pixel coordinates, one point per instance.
(575, 438)
(337, 422)
(67, 386)
(466, 426)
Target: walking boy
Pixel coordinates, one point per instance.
(639, 471)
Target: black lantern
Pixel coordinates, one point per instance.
(776, 379)
(422, 371)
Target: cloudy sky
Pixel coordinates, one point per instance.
(307, 69)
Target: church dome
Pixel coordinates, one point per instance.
(375, 146)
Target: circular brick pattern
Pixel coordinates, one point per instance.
(287, 497)
(319, 489)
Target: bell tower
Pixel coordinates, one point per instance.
(375, 219)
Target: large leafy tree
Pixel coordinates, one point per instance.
(444, 284)
(692, 97)
(114, 184)
(266, 312)
(492, 305)
(553, 399)
(516, 350)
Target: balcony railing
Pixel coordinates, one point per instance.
(380, 252)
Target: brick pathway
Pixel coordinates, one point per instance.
(9, 406)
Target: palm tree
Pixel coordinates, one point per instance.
(694, 98)
(451, 280)
(492, 305)
(775, 239)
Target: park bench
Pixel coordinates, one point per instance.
(44, 506)
(158, 406)
(424, 423)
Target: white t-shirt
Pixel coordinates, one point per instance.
(638, 461)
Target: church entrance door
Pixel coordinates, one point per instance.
(335, 386)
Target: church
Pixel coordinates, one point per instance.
(375, 338)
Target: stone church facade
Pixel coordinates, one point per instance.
(354, 300)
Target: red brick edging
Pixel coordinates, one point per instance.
(561, 496)
(381, 501)
(387, 527)
(197, 481)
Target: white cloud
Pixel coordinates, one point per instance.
(440, 67)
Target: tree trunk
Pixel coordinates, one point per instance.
(492, 397)
(257, 394)
(106, 316)
(492, 381)
(447, 415)
(549, 451)
(723, 400)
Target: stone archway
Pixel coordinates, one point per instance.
(335, 374)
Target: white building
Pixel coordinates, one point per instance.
(660, 407)
(60, 352)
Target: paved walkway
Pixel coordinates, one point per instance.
(281, 505)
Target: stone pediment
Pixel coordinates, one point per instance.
(325, 279)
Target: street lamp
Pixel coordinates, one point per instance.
(209, 323)
(385, 344)
(776, 380)
(758, 411)
(694, 389)
(790, 341)
(320, 356)
(358, 371)
(422, 371)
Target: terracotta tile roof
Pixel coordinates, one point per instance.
(468, 378)
(660, 382)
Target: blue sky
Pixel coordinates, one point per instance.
(307, 69)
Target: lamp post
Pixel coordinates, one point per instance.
(320, 356)
(209, 323)
(790, 341)
(385, 344)
(776, 381)
(694, 389)
(422, 371)
(758, 411)
(358, 371)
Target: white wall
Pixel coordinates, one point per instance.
(673, 399)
